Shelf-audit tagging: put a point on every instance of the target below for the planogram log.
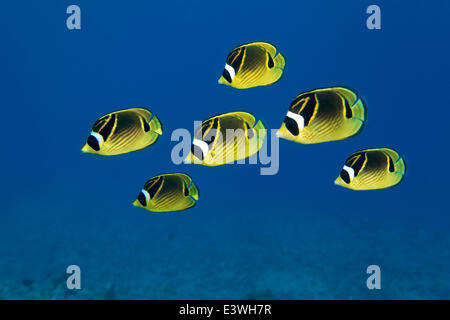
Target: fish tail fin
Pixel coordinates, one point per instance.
(400, 166)
(260, 134)
(155, 125)
(259, 126)
(260, 129)
(193, 191)
(359, 110)
(279, 61)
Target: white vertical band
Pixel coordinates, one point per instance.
(231, 71)
(202, 145)
(350, 172)
(297, 118)
(146, 194)
(98, 137)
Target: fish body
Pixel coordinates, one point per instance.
(323, 115)
(372, 169)
(226, 138)
(123, 131)
(251, 65)
(168, 192)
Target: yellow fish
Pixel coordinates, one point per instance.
(168, 192)
(226, 138)
(123, 131)
(323, 115)
(251, 65)
(372, 169)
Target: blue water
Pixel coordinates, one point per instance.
(293, 235)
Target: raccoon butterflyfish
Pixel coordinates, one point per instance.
(123, 131)
(168, 192)
(372, 169)
(323, 115)
(251, 65)
(226, 138)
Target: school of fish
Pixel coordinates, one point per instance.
(314, 116)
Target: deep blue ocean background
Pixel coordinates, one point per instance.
(293, 235)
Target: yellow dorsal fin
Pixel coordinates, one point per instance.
(270, 48)
(144, 112)
(393, 154)
(184, 177)
(347, 94)
(249, 118)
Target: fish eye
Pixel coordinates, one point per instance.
(345, 176)
(142, 199)
(291, 126)
(93, 143)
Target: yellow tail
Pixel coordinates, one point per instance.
(279, 61)
(155, 125)
(400, 166)
(193, 191)
(359, 110)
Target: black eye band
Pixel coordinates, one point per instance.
(197, 152)
(345, 176)
(93, 143)
(291, 125)
(226, 75)
(142, 200)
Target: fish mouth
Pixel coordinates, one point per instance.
(136, 203)
(337, 182)
(221, 80)
(85, 149)
(187, 160)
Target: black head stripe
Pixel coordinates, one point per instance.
(291, 126)
(105, 132)
(226, 75)
(208, 125)
(356, 162)
(270, 63)
(305, 105)
(345, 176)
(93, 143)
(308, 110)
(155, 187)
(209, 135)
(141, 199)
(236, 62)
(197, 152)
(232, 55)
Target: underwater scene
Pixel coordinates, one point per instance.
(120, 180)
